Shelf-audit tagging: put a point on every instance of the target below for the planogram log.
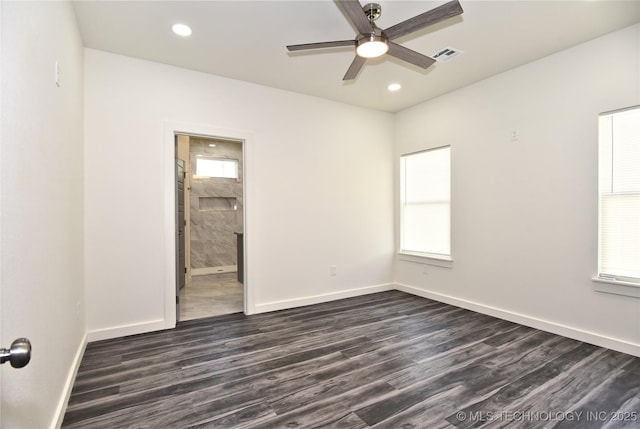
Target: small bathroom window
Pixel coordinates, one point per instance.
(210, 167)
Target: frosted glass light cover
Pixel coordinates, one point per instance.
(372, 49)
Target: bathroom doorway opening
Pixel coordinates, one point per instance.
(210, 202)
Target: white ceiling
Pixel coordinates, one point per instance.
(246, 40)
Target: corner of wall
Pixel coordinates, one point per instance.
(61, 408)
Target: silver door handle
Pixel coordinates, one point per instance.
(18, 355)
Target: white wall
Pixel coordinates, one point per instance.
(319, 189)
(42, 213)
(524, 213)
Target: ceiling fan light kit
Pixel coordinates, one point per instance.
(372, 42)
(372, 46)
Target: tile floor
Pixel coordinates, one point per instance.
(211, 295)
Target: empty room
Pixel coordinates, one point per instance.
(403, 214)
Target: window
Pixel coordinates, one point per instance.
(619, 196)
(209, 167)
(425, 201)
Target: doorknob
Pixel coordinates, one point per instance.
(18, 355)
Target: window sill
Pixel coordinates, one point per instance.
(426, 259)
(616, 287)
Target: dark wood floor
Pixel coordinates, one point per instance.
(387, 360)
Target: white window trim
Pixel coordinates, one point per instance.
(616, 287)
(437, 260)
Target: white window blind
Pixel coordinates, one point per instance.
(425, 202)
(619, 195)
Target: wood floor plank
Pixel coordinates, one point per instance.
(531, 380)
(584, 379)
(401, 400)
(249, 415)
(338, 385)
(431, 412)
(385, 360)
(605, 402)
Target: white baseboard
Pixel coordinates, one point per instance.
(544, 325)
(123, 331)
(214, 270)
(61, 409)
(317, 299)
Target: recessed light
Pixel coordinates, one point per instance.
(212, 145)
(394, 87)
(181, 30)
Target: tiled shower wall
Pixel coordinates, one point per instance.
(213, 242)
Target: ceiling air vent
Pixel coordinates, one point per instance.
(446, 54)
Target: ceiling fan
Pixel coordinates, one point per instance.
(372, 42)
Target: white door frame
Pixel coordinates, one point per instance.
(170, 131)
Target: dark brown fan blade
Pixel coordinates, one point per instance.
(320, 45)
(440, 13)
(410, 56)
(354, 68)
(356, 15)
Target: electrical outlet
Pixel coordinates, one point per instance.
(425, 270)
(333, 270)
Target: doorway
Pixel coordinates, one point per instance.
(210, 172)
